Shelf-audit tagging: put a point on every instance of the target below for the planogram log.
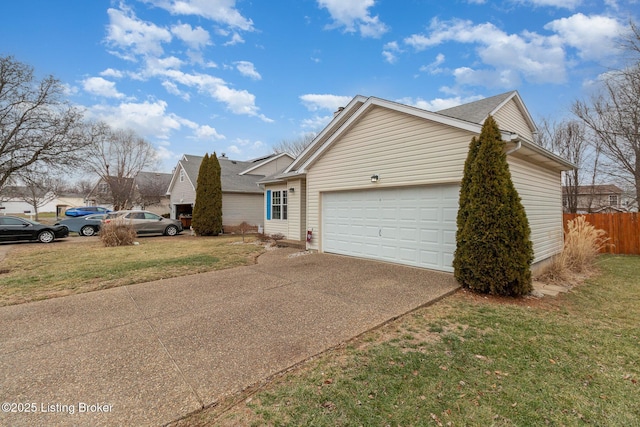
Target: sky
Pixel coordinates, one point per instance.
(238, 76)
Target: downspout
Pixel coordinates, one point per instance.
(517, 147)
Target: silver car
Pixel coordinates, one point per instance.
(145, 222)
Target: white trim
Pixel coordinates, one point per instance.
(265, 162)
(406, 109)
(347, 110)
(523, 109)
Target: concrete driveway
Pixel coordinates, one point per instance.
(151, 353)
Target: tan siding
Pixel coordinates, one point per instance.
(237, 208)
(403, 150)
(272, 167)
(275, 226)
(541, 194)
(510, 118)
(303, 210)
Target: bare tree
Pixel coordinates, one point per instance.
(40, 187)
(151, 188)
(613, 115)
(570, 140)
(294, 146)
(37, 125)
(117, 156)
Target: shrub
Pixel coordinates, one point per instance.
(207, 212)
(582, 243)
(493, 247)
(244, 227)
(117, 232)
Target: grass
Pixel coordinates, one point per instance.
(473, 360)
(33, 272)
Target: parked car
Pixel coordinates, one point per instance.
(145, 222)
(88, 225)
(13, 228)
(86, 210)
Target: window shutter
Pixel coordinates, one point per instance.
(268, 205)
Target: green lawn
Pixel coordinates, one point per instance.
(470, 360)
(35, 271)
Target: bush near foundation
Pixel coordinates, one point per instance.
(493, 247)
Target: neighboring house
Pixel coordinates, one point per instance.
(596, 198)
(148, 191)
(242, 198)
(12, 201)
(382, 181)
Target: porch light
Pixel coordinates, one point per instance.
(292, 190)
(374, 178)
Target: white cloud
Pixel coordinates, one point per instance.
(566, 4)
(110, 72)
(504, 79)
(221, 11)
(593, 36)
(354, 16)
(434, 67)
(146, 118)
(207, 132)
(244, 148)
(101, 87)
(237, 101)
(195, 38)
(316, 123)
(173, 89)
(389, 51)
(438, 104)
(536, 58)
(133, 36)
(315, 102)
(247, 69)
(235, 39)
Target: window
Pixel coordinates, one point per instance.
(613, 200)
(279, 205)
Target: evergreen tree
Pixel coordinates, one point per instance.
(207, 212)
(216, 194)
(494, 251)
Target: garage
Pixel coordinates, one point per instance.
(410, 225)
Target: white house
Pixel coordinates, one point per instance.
(382, 181)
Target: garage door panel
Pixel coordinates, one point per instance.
(414, 226)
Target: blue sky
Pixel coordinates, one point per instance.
(237, 76)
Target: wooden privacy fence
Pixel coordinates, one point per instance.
(623, 230)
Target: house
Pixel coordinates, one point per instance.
(242, 198)
(147, 190)
(19, 200)
(596, 198)
(382, 181)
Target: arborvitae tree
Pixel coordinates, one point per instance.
(216, 194)
(494, 250)
(207, 212)
(464, 207)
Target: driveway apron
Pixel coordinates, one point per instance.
(152, 353)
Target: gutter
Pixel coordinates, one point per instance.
(514, 138)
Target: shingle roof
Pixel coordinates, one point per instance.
(596, 189)
(476, 111)
(230, 177)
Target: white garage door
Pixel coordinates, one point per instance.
(414, 226)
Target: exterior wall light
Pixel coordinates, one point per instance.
(374, 178)
(292, 190)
